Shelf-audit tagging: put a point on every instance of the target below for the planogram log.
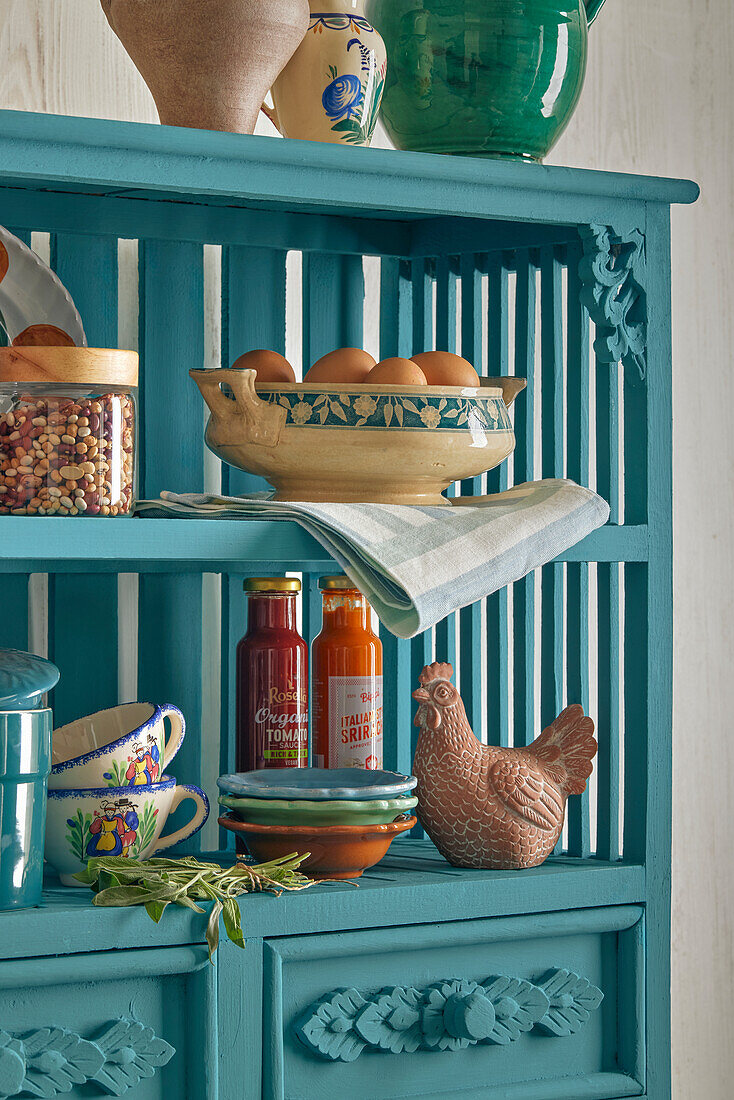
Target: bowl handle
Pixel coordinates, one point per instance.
(510, 386)
(243, 418)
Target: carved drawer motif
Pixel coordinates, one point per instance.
(448, 1015)
(106, 1024)
(545, 1006)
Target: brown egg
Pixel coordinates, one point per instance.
(347, 365)
(443, 368)
(270, 366)
(43, 336)
(396, 372)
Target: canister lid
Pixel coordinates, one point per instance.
(272, 584)
(339, 581)
(24, 677)
(69, 366)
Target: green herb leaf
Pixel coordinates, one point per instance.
(156, 909)
(125, 895)
(233, 922)
(212, 929)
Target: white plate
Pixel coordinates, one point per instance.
(31, 294)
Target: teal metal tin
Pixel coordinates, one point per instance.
(25, 764)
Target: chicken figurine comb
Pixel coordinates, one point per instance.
(489, 807)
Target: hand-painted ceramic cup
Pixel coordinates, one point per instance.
(116, 821)
(124, 746)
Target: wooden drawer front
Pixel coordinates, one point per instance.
(523, 1008)
(137, 1023)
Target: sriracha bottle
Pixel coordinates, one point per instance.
(347, 681)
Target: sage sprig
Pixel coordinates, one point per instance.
(158, 883)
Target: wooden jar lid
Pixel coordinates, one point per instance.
(69, 366)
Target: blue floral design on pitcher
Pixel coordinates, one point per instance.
(343, 97)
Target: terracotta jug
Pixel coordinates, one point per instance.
(209, 64)
(331, 88)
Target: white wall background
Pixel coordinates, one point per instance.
(657, 100)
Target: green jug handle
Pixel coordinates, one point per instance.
(593, 7)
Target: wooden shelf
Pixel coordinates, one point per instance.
(412, 879)
(67, 544)
(86, 175)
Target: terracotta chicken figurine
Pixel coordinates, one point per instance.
(484, 806)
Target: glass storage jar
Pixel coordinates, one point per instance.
(67, 431)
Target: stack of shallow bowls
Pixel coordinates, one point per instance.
(344, 818)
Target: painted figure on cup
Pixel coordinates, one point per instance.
(139, 772)
(154, 759)
(114, 828)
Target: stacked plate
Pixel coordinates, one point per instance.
(345, 818)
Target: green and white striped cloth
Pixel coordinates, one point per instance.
(416, 565)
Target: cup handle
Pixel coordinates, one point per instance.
(177, 734)
(182, 792)
(272, 114)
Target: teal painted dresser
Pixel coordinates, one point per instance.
(424, 981)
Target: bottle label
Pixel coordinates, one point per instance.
(281, 727)
(355, 722)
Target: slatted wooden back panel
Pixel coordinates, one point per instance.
(574, 632)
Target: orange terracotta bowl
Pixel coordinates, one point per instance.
(337, 851)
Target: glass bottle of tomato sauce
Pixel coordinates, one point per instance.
(346, 705)
(272, 679)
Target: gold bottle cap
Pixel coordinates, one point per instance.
(340, 581)
(272, 584)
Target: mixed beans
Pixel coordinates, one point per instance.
(67, 455)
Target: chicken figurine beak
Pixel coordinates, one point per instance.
(427, 714)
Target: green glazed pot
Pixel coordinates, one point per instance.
(496, 78)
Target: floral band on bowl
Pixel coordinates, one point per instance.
(371, 410)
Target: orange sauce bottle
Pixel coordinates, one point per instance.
(346, 689)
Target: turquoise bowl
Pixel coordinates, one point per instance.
(277, 811)
(317, 784)
(25, 764)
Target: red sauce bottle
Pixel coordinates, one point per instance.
(272, 679)
(347, 681)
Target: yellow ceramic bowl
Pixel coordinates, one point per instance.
(383, 444)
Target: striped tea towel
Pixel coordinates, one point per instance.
(416, 565)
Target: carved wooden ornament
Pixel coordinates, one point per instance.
(52, 1060)
(448, 1015)
(613, 274)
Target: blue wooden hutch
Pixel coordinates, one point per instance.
(559, 275)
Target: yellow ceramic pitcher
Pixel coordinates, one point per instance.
(331, 88)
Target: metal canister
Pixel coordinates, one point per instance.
(25, 764)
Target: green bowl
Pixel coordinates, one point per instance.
(276, 811)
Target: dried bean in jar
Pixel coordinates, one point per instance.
(56, 453)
